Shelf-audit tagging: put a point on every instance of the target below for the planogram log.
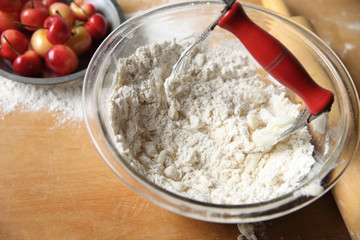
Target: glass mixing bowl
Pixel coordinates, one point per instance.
(181, 21)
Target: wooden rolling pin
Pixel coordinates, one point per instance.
(347, 191)
(280, 7)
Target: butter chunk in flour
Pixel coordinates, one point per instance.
(189, 134)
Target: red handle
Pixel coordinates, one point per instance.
(276, 60)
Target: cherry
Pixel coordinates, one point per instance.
(97, 26)
(7, 20)
(80, 40)
(82, 9)
(39, 42)
(58, 30)
(18, 41)
(62, 10)
(33, 13)
(28, 64)
(61, 60)
(10, 5)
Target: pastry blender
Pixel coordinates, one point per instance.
(278, 61)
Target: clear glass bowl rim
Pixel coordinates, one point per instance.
(226, 210)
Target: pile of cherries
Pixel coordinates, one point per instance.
(42, 35)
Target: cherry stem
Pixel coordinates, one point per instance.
(58, 13)
(81, 23)
(32, 4)
(12, 47)
(25, 25)
(87, 15)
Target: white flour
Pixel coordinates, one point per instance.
(62, 99)
(196, 146)
(246, 232)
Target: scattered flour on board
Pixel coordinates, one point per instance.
(64, 100)
(195, 147)
(247, 231)
(347, 47)
(354, 26)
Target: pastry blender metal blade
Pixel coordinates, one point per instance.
(180, 64)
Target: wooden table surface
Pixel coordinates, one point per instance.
(54, 185)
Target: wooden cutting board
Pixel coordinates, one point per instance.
(54, 185)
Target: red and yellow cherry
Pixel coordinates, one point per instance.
(33, 13)
(58, 31)
(39, 42)
(82, 9)
(61, 60)
(63, 10)
(10, 5)
(7, 20)
(18, 41)
(80, 40)
(97, 26)
(28, 64)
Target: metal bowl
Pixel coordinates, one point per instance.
(113, 13)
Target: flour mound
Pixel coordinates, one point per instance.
(192, 140)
